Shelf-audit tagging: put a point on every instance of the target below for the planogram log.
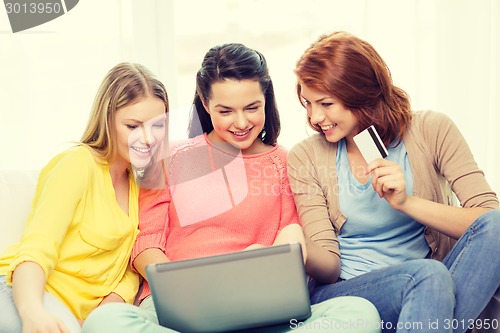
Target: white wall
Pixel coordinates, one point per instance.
(445, 54)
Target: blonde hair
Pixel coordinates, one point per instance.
(123, 85)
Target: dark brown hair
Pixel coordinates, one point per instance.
(238, 62)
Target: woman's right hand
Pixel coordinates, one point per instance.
(28, 282)
(41, 321)
(389, 182)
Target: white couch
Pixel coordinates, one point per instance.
(16, 192)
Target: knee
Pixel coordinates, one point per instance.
(107, 318)
(434, 268)
(493, 215)
(366, 318)
(359, 314)
(434, 276)
(490, 222)
(369, 312)
(487, 227)
(10, 322)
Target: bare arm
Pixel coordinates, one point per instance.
(28, 284)
(388, 181)
(449, 220)
(321, 264)
(292, 233)
(149, 256)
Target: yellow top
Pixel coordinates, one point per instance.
(78, 234)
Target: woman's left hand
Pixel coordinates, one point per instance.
(388, 181)
(112, 298)
(254, 246)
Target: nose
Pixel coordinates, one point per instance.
(147, 136)
(241, 121)
(316, 114)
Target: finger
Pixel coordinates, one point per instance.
(379, 163)
(377, 186)
(372, 166)
(377, 182)
(389, 183)
(390, 186)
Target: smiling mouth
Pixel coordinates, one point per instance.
(141, 149)
(241, 133)
(328, 127)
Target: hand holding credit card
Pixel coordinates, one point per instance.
(370, 145)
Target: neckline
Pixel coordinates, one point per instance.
(109, 180)
(343, 152)
(240, 154)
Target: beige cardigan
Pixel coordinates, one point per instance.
(441, 161)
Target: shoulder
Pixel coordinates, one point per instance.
(314, 142)
(187, 157)
(279, 151)
(186, 144)
(426, 121)
(74, 158)
(314, 147)
(431, 127)
(70, 168)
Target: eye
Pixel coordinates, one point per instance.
(326, 104)
(253, 108)
(225, 111)
(131, 127)
(305, 102)
(159, 125)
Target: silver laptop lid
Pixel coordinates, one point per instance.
(242, 290)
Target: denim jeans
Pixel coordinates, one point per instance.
(10, 322)
(343, 314)
(425, 295)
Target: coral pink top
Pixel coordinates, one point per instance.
(218, 201)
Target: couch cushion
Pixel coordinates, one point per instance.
(16, 193)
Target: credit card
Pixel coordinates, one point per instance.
(370, 145)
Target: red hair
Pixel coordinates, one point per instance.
(349, 69)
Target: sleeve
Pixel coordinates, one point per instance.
(61, 185)
(128, 286)
(312, 205)
(153, 220)
(289, 213)
(454, 160)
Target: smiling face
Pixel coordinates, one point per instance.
(140, 128)
(237, 111)
(330, 114)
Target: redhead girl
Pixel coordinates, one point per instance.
(388, 230)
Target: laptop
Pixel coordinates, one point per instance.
(236, 291)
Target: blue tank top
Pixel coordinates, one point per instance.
(375, 235)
